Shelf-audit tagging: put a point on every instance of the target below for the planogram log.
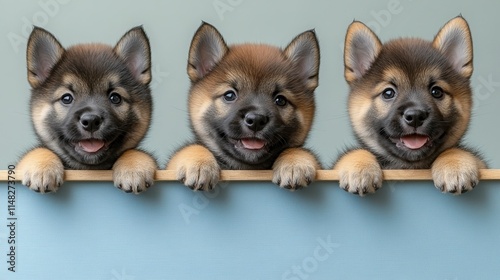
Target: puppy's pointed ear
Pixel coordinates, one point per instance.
(455, 42)
(206, 50)
(134, 49)
(361, 49)
(42, 54)
(303, 52)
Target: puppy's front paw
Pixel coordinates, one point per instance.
(43, 180)
(456, 171)
(359, 172)
(294, 169)
(42, 170)
(134, 171)
(196, 167)
(293, 176)
(203, 175)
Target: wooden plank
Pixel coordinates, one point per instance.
(254, 175)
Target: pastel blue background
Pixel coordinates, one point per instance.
(249, 230)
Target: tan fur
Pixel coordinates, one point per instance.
(196, 166)
(42, 170)
(38, 116)
(134, 171)
(456, 171)
(295, 167)
(359, 168)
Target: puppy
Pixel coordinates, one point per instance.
(251, 106)
(410, 104)
(90, 107)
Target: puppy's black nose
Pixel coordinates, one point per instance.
(90, 122)
(415, 117)
(255, 122)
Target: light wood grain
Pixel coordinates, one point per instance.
(253, 175)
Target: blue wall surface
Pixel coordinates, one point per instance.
(248, 230)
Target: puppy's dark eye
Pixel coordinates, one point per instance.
(115, 98)
(280, 100)
(437, 92)
(388, 93)
(67, 98)
(230, 96)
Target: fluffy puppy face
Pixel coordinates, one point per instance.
(249, 102)
(410, 99)
(90, 102)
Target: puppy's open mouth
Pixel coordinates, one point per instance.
(412, 141)
(91, 145)
(252, 143)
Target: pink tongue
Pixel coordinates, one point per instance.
(91, 145)
(414, 141)
(253, 143)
